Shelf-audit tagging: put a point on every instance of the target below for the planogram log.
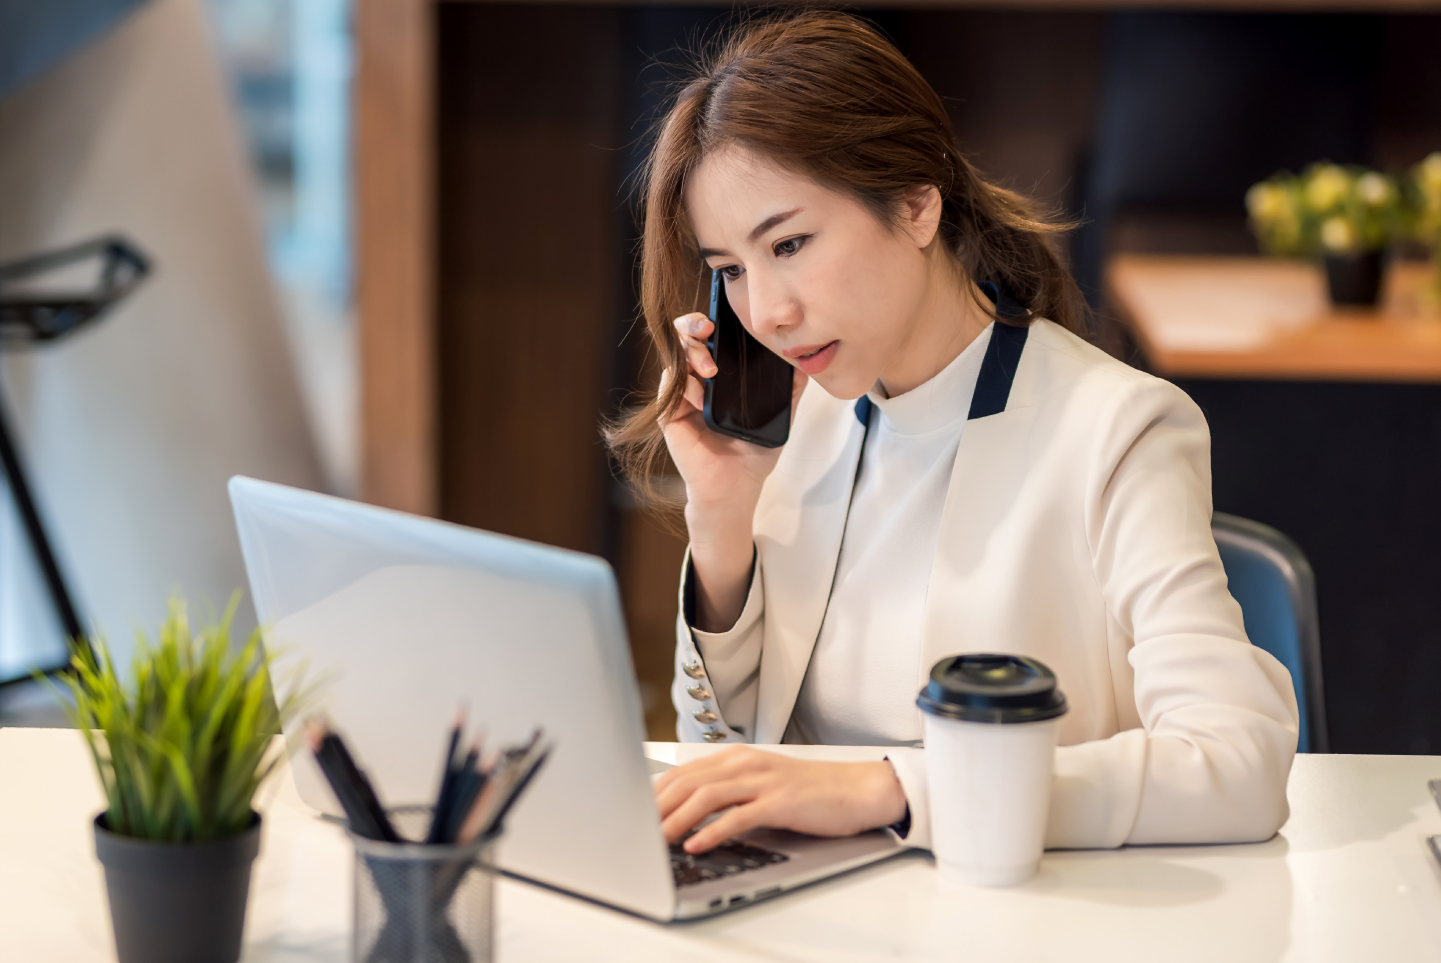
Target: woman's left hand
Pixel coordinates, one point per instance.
(767, 789)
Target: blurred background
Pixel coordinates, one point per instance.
(394, 259)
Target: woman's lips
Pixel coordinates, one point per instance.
(813, 359)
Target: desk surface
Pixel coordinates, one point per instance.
(1348, 878)
(1266, 318)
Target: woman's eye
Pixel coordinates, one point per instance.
(731, 271)
(790, 245)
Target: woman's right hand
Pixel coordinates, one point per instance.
(723, 478)
(717, 469)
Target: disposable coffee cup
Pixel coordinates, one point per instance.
(990, 727)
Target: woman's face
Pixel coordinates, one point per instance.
(817, 277)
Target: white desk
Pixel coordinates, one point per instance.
(1348, 879)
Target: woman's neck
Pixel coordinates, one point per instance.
(948, 319)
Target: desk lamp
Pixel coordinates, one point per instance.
(31, 314)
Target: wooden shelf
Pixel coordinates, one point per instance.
(1262, 318)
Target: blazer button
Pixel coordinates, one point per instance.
(694, 669)
(704, 716)
(714, 736)
(699, 693)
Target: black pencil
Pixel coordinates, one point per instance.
(447, 782)
(362, 820)
(467, 787)
(362, 788)
(464, 776)
(355, 812)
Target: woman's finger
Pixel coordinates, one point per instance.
(697, 768)
(698, 356)
(708, 799)
(693, 329)
(670, 796)
(693, 326)
(694, 392)
(740, 819)
(731, 759)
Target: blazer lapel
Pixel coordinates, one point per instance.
(798, 528)
(986, 474)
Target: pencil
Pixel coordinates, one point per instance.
(507, 781)
(496, 823)
(468, 786)
(447, 781)
(361, 787)
(355, 812)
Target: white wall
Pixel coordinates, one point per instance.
(132, 427)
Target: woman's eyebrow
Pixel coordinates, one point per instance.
(760, 230)
(771, 222)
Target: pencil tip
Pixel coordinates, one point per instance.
(314, 732)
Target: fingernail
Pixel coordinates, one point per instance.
(696, 327)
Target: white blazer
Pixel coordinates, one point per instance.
(1077, 531)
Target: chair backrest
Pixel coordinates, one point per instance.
(1271, 579)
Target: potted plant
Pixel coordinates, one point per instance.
(180, 746)
(1346, 216)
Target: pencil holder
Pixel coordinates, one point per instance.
(422, 904)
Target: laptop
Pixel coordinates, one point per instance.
(411, 617)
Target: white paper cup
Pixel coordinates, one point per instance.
(990, 727)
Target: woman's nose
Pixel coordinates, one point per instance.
(771, 307)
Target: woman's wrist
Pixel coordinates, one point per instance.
(722, 554)
(720, 536)
(885, 799)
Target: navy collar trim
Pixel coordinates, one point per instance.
(998, 368)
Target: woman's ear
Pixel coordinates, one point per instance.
(921, 214)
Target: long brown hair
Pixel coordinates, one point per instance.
(825, 95)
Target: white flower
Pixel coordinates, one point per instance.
(1373, 188)
(1338, 235)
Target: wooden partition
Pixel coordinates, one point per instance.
(395, 223)
(527, 116)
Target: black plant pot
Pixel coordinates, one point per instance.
(177, 902)
(1354, 278)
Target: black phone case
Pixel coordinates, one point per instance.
(758, 373)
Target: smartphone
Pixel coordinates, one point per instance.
(750, 395)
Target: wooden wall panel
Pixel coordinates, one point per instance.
(394, 251)
(527, 175)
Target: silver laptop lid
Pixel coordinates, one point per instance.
(413, 616)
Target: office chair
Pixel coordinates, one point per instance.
(1273, 582)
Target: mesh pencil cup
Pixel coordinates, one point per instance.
(422, 904)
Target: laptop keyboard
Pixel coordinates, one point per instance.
(727, 859)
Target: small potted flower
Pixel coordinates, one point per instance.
(181, 745)
(1345, 216)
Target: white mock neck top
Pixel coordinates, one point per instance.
(860, 687)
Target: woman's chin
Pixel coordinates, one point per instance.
(844, 386)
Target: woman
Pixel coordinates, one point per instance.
(964, 473)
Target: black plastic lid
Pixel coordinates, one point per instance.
(989, 687)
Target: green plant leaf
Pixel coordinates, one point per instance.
(182, 749)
